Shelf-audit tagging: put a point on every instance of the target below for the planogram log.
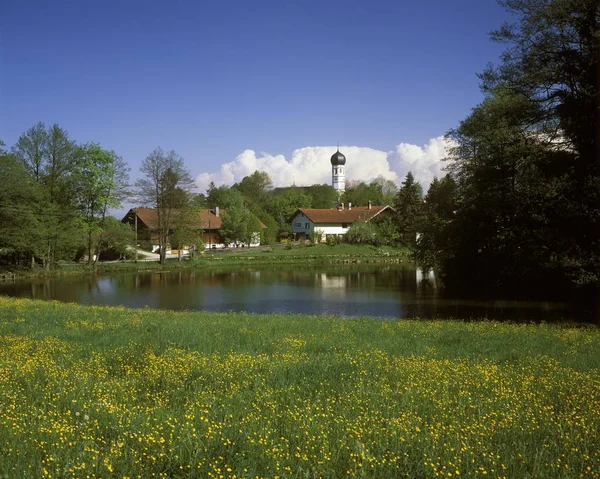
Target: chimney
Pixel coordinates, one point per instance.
(349, 206)
(217, 211)
(369, 205)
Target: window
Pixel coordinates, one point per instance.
(298, 225)
(307, 225)
(344, 225)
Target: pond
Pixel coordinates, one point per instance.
(379, 290)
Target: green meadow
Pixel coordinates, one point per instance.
(110, 392)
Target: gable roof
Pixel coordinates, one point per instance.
(347, 215)
(199, 219)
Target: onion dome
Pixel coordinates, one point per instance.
(338, 159)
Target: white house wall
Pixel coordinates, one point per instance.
(332, 229)
(301, 224)
(255, 241)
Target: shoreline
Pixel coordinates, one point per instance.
(279, 256)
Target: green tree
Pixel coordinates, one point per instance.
(165, 187)
(553, 60)
(388, 190)
(268, 235)
(435, 223)
(359, 193)
(101, 180)
(386, 230)
(408, 205)
(199, 200)
(50, 157)
(322, 196)
(362, 233)
(284, 204)
(514, 198)
(185, 230)
(115, 237)
(526, 161)
(19, 235)
(222, 196)
(32, 149)
(239, 225)
(255, 186)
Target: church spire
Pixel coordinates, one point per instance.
(338, 162)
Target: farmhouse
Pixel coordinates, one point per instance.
(334, 221)
(206, 221)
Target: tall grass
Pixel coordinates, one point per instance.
(113, 392)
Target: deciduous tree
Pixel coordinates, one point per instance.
(49, 156)
(101, 182)
(165, 187)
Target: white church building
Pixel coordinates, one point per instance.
(322, 222)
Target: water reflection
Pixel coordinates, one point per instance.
(385, 291)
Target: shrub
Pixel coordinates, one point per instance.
(362, 233)
(317, 235)
(332, 240)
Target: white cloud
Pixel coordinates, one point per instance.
(424, 162)
(310, 165)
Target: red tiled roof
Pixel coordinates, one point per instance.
(200, 219)
(335, 215)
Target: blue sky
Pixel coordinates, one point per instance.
(213, 79)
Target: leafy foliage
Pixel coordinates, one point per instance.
(322, 196)
(362, 233)
(239, 225)
(521, 210)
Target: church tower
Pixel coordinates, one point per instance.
(338, 167)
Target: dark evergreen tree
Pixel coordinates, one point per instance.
(526, 161)
(553, 60)
(435, 223)
(409, 206)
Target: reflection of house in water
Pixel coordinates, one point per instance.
(331, 285)
(425, 278)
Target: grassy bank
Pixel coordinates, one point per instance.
(280, 254)
(112, 392)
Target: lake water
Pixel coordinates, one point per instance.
(380, 290)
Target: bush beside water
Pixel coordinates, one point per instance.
(114, 392)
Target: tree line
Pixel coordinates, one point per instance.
(55, 198)
(54, 206)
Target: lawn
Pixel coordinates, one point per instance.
(114, 392)
(279, 254)
(341, 250)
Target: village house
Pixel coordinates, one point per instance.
(312, 223)
(207, 221)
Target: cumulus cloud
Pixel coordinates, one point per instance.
(424, 162)
(310, 165)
